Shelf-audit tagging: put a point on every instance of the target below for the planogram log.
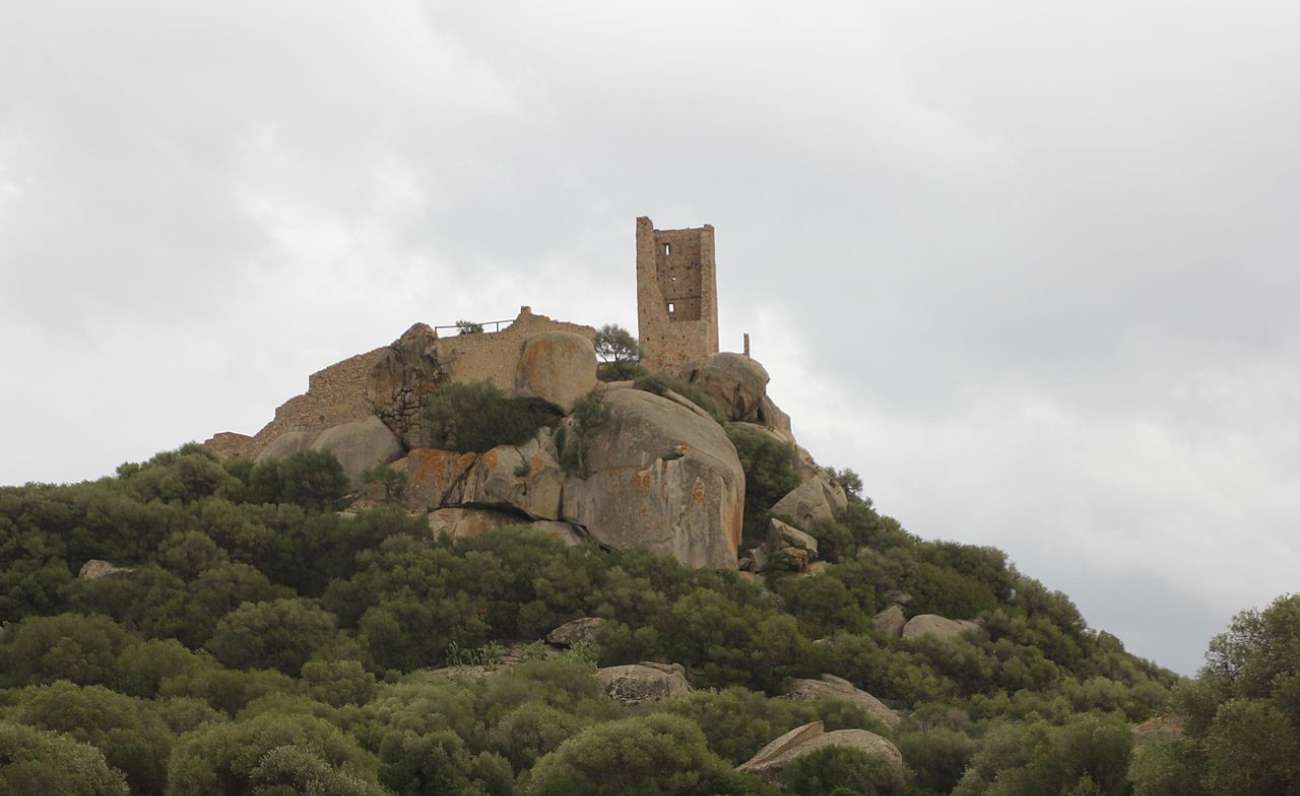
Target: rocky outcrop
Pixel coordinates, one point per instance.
(468, 523)
(286, 445)
(736, 383)
(772, 759)
(785, 540)
(771, 416)
(558, 367)
(401, 380)
(638, 683)
(889, 622)
(816, 500)
(359, 445)
(935, 626)
(525, 478)
(661, 478)
(579, 630)
(94, 569)
(832, 687)
(462, 523)
(394, 381)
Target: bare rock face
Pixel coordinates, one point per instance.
(832, 687)
(286, 445)
(772, 759)
(402, 378)
(662, 478)
(570, 633)
(813, 502)
(525, 478)
(735, 382)
(638, 683)
(890, 622)
(468, 523)
(771, 416)
(558, 367)
(359, 445)
(94, 569)
(781, 535)
(935, 626)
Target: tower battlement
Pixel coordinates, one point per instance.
(677, 296)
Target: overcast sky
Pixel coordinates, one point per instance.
(1028, 267)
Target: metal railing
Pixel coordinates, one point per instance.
(496, 326)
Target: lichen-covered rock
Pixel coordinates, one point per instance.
(818, 499)
(832, 687)
(579, 630)
(662, 478)
(359, 445)
(433, 477)
(524, 478)
(935, 626)
(637, 683)
(736, 383)
(889, 622)
(558, 367)
(772, 759)
(94, 569)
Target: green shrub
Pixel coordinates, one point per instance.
(770, 474)
(661, 384)
(478, 417)
(392, 482)
(836, 770)
(615, 344)
(590, 413)
(620, 371)
(311, 479)
(33, 761)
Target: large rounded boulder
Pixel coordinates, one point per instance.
(558, 367)
(661, 478)
(359, 445)
(736, 383)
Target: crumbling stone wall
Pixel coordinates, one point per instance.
(393, 382)
(677, 296)
(494, 356)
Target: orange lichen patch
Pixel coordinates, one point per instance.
(698, 493)
(431, 473)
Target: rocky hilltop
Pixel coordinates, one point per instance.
(661, 474)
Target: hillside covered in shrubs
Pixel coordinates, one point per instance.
(264, 642)
(713, 613)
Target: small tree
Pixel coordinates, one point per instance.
(616, 344)
(468, 327)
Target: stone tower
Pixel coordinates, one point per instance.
(676, 296)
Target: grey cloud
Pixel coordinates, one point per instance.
(1025, 267)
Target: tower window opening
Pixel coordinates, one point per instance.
(668, 249)
(671, 308)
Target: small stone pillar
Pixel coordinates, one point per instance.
(746, 343)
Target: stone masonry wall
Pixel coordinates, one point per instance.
(346, 391)
(677, 296)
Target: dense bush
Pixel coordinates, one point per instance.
(478, 417)
(614, 344)
(770, 474)
(263, 642)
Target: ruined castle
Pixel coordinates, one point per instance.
(676, 296)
